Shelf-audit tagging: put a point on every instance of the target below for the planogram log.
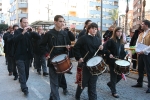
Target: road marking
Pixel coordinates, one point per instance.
(37, 93)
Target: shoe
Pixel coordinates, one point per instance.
(148, 90)
(65, 91)
(39, 72)
(137, 85)
(115, 95)
(25, 92)
(16, 77)
(10, 73)
(45, 74)
(69, 72)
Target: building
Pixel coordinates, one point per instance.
(1, 13)
(75, 12)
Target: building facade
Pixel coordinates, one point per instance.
(75, 12)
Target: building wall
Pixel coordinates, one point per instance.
(74, 11)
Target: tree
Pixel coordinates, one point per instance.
(3, 27)
(114, 15)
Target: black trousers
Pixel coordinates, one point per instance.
(23, 70)
(14, 67)
(91, 82)
(10, 65)
(143, 61)
(62, 81)
(134, 56)
(114, 78)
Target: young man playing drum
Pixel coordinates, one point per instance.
(114, 49)
(87, 43)
(55, 37)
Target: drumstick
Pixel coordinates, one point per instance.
(51, 50)
(63, 46)
(96, 52)
(85, 55)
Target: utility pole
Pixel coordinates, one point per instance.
(48, 11)
(101, 17)
(143, 14)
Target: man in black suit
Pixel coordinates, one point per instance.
(24, 51)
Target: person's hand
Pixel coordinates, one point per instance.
(68, 47)
(47, 57)
(25, 29)
(81, 60)
(111, 56)
(101, 47)
(139, 53)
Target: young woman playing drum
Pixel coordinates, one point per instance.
(114, 49)
(87, 43)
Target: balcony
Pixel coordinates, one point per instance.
(95, 3)
(23, 5)
(20, 15)
(11, 1)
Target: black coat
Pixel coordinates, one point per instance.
(5, 42)
(134, 38)
(84, 44)
(11, 45)
(111, 47)
(23, 44)
(54, 38)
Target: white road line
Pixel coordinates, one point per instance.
(37, 93)
(46, 81)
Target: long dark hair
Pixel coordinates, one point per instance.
(92, 25)
(114, 36)
(86, 23)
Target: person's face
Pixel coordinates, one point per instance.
(143, 26)
(15, 28)
(93, 31)
(119, 33)
(10, 29)
(24, 23)
(131, 34)
(40, 30)
(88, 24)
(60, 23)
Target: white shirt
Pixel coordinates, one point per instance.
(146, 50)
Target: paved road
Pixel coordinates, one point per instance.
(39, 88)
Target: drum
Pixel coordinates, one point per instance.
(122, 66)
(96, 65)
(61, 63)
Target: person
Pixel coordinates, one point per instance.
(83, 32)
(89, 42)
(114, 47)
(144, 56)
(40, 59)
(6, 49)
(24, 51)
(133, 43)
(11, 59)
(108, 33)
(55, 37)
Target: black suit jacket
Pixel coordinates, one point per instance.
(134, 38)
(5, 42)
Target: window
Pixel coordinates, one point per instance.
(98, 8)
(139, 18)
(139, 10)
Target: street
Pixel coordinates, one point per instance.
(39, 87)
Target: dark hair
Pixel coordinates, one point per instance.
(56, 18)
(15, 26)
(86, 22)
(23, 18)
(114, 37)
(92, 25)
(147, 22)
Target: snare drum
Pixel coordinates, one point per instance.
(122, 66)
(96, 65)
(62, 63)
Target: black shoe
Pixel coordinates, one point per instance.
(10, 73)
(148, 90)
(65, 91)
(39, 72)
(16, 77)
(25, 92)
(137, 85)
(45, 74)
(69, 72)
(115, 95)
